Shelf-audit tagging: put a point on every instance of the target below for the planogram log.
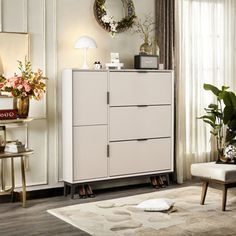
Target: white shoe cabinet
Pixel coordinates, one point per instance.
(116, 124)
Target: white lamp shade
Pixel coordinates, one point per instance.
(85, 42)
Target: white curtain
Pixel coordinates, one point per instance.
(205, 53)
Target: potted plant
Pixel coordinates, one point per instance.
(145, 29)
(221, 116)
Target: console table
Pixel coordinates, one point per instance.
(12, 156)
(7, 155)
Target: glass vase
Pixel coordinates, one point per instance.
(21, 105)
(146, 47)
(155, 48)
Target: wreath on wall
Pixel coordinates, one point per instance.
(108, 23)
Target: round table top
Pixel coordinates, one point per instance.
(28, 152)
(12, 121)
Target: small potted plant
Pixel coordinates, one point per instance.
(221, 116)
(23, 87)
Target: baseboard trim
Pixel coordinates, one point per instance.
(34, 194)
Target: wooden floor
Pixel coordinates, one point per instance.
(34, 220)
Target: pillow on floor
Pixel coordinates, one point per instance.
(159, 204)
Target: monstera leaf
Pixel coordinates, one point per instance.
(222, 116)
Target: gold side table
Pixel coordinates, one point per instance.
(9, 124)
(12, 156)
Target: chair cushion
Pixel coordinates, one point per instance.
(211, 170)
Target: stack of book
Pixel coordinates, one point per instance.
(15, 147)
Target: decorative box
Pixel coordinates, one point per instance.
(15, 147)
(8, 114)
(146, 62)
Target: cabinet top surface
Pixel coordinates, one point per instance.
(12, 121)
(121, 70)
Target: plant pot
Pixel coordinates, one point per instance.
(21, 105)
(146, 47)
(224, 159)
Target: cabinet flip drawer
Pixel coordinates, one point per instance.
(132, 157)
(127, 123)
(133, 88)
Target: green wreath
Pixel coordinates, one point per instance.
(107, 22)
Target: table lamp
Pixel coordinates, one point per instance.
(85, 42)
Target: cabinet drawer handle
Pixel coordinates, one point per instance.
(142, 105)
(142, 139)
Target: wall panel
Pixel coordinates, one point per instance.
(52, 101)
(13, 15)
(36, 28)
(36, 171)
(29, 16)
(1, 15)
(38, 141)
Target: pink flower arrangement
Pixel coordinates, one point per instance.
(28, 84)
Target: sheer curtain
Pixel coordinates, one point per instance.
(205, 53)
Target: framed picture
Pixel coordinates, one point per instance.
(13, 47)
(115, 58)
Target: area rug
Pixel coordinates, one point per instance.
(119, 217)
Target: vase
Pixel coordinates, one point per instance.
(21, 105)
(145, 48)
(155, 48)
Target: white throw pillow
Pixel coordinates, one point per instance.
(161, 204)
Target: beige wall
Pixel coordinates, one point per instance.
(38, 18)
(75, 18)
(54, 26)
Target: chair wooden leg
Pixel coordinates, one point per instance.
(224, 197)
(204, 191)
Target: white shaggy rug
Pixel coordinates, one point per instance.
(120, 217)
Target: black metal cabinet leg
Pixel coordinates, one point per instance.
(167, 180)
(72, 191)
(65, 189)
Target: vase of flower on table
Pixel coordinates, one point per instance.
(23, 87)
